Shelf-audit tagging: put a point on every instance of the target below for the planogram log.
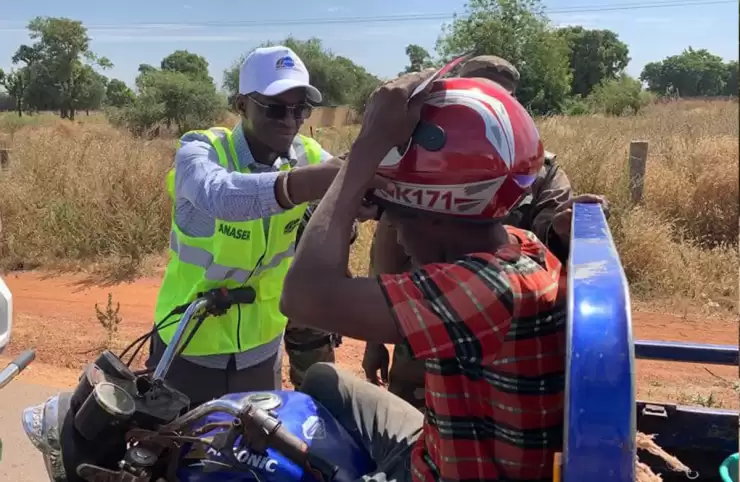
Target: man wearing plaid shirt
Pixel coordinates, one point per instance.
(546, 211)
(484, 308)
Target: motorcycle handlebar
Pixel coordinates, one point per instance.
(259, 430)
(215, 302)
(15, 367)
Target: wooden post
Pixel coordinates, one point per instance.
(310, 129)
(4, 158)
(638, 161)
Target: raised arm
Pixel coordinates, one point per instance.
(210, 188)
(234, 196)
(317, 291)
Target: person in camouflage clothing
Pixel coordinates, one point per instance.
(304, 345)
(546, 211)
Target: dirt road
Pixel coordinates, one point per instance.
(56, 315)
(21, 462)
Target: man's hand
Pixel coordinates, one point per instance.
(390, 118)
(315, 301)
(561, 222)
(376, 359)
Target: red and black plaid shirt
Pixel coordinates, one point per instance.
(492, 331)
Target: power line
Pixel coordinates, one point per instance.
(410, 17)
(434, 16)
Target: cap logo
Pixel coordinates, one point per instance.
(285, 63)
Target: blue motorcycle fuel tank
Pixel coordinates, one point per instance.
(303, 417)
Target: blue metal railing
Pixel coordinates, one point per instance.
(687, 352)
(600, 406)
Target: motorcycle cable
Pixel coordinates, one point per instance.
(141, 341)
(220, 300)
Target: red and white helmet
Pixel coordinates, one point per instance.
(474, 154)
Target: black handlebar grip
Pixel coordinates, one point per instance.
(24, 359)
(259, 423)
(245, 295)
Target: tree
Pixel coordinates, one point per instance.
(18, 81)
(41, 93)
(596, 56)
(340, 81)
(419, 59)
(143, 69)
(731, 84)
(118, 94)
(7, 102)
(518, 31)
(89, 89)
(15, 84)
(62, 58)
(192, 65)
(693, 73)
(188, 103)
(181, 94)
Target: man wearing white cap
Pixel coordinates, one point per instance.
(239, 196)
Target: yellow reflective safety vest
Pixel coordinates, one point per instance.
(237, 254)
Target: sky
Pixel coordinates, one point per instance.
(133, 32)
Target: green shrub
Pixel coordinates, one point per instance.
(576, 106)
(621, 96)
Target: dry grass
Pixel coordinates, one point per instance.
(84, 193)
(683, 240)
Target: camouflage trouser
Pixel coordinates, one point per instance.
(406, 377)
(305, 347)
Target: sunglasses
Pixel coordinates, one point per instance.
(281, 111)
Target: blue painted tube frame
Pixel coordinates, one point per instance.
(687, 352)
(600, 405)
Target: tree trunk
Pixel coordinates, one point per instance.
(19, 107)
(71, 114)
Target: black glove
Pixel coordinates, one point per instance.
(376, 358)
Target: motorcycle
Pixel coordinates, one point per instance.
(126, 426)
(122, 425)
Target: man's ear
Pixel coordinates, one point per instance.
(240, 104)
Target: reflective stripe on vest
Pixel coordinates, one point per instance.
(237, 254)
(217, 272)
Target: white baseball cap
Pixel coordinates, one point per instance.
(271, 71)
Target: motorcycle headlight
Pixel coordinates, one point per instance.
(43, 425)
